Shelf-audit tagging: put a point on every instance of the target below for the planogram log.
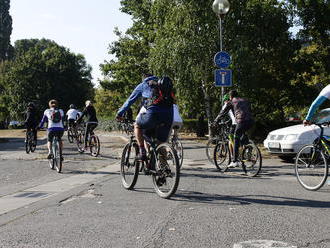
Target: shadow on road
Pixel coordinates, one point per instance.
(18, 144)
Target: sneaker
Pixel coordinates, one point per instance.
(233, 164)
(49, 156)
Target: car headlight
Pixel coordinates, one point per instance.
(291, 137)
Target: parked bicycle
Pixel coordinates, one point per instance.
(311, 163)
(249, 155)
(177, 144)
(93, 141)
(30, 141)
(55, 162)
(162, 164)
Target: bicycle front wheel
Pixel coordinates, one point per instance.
(167, 167)
(311, 167)
(94, 145)
(57, 154)
(251, 159)
(129, 166)
(210, 149)
(221, 156)
(80, 142)
(177, 145)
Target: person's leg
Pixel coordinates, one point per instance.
(86, 134)
(49, 144)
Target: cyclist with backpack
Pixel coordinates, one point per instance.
(54, 116)
(157, 109)
(243, 117)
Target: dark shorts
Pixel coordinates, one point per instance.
(71, 122)
(156, 124)
(52, 134)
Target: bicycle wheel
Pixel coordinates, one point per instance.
(70, 135)
(27, 142)
(129, 166)
(177, 145)
(221, 156)
(251, 159)
(94, 145)
(210, 149)
(57, 156)
(311, 167)
(167, 176)
(80, 142)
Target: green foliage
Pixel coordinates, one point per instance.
(43, 70)
(5, 30)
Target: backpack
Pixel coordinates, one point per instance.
(162, 93)
(242, 109)
(55, 116)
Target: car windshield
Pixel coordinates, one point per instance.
(322, 116)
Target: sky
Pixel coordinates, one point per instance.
(83, 26)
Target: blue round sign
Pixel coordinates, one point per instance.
(222, 59)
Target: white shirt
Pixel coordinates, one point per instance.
(52, 125)
(72, 114)
(325, 92)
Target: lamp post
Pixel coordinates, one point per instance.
(221, 8)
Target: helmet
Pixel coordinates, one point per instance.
(30, 104)
(165, 85)
(226, 97)
(72, 106)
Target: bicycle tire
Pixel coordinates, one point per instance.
(177, 145)
(210, 149)
(94, 145)
(309, 162)
(57, 154)
(251, 159)
(221, 156)
(164, 155)
(80, 142)
(33, 145)
(27, 143)
(70, 135)
(128, 162)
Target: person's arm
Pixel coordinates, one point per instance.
(136, 94)
(43, 120)
(224, 111)
(82, 115)
(28, 116)
(315, 105)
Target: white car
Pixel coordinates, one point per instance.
(287, 141)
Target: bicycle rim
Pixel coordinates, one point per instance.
(80, 142)
(210, 149)
(177, 145)
(167, 176)
(27, 143)
(129, 166)
(251, 159)
(94, 145)
(70, 135)
(221, 156)
(57, 157)
(311, 167)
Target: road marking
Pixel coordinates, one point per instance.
(43, 191)
(262, 244)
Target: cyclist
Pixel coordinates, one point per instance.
(324, 95)
(72, 115)
(92, 121)
(54, 116)
(243, 117)
(31, 121)
(158, 110)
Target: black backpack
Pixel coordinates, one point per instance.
(242, 109)
(55, 115)
(162, 93)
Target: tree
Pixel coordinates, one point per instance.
(43, 70)
(5, 30)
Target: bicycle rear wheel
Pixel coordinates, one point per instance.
(129, 166)
(94, 145)
(177, 145)
(57, 154)
(251, 159)
(167, 167)
(311, 167)
(221, 156)
(27, 142)
(70, 135)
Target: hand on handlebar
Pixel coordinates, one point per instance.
(307, 123)
(119, 118)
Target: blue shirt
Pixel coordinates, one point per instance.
(142, 90)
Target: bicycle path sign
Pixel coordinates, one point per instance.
(223, 78)
(222, 59)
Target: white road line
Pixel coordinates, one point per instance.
(40, 192)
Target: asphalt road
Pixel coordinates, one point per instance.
(87, 207)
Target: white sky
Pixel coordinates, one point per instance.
(83, 26)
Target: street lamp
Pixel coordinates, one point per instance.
(221, 8)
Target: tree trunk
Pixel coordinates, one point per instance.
(207, 105)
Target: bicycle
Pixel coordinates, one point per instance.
(56, 160)
(72, 133)
(249, 155)
(311, 163)
(30, 141)
(162, 164)
(222, 129)
(93, 141)
(177, 144)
